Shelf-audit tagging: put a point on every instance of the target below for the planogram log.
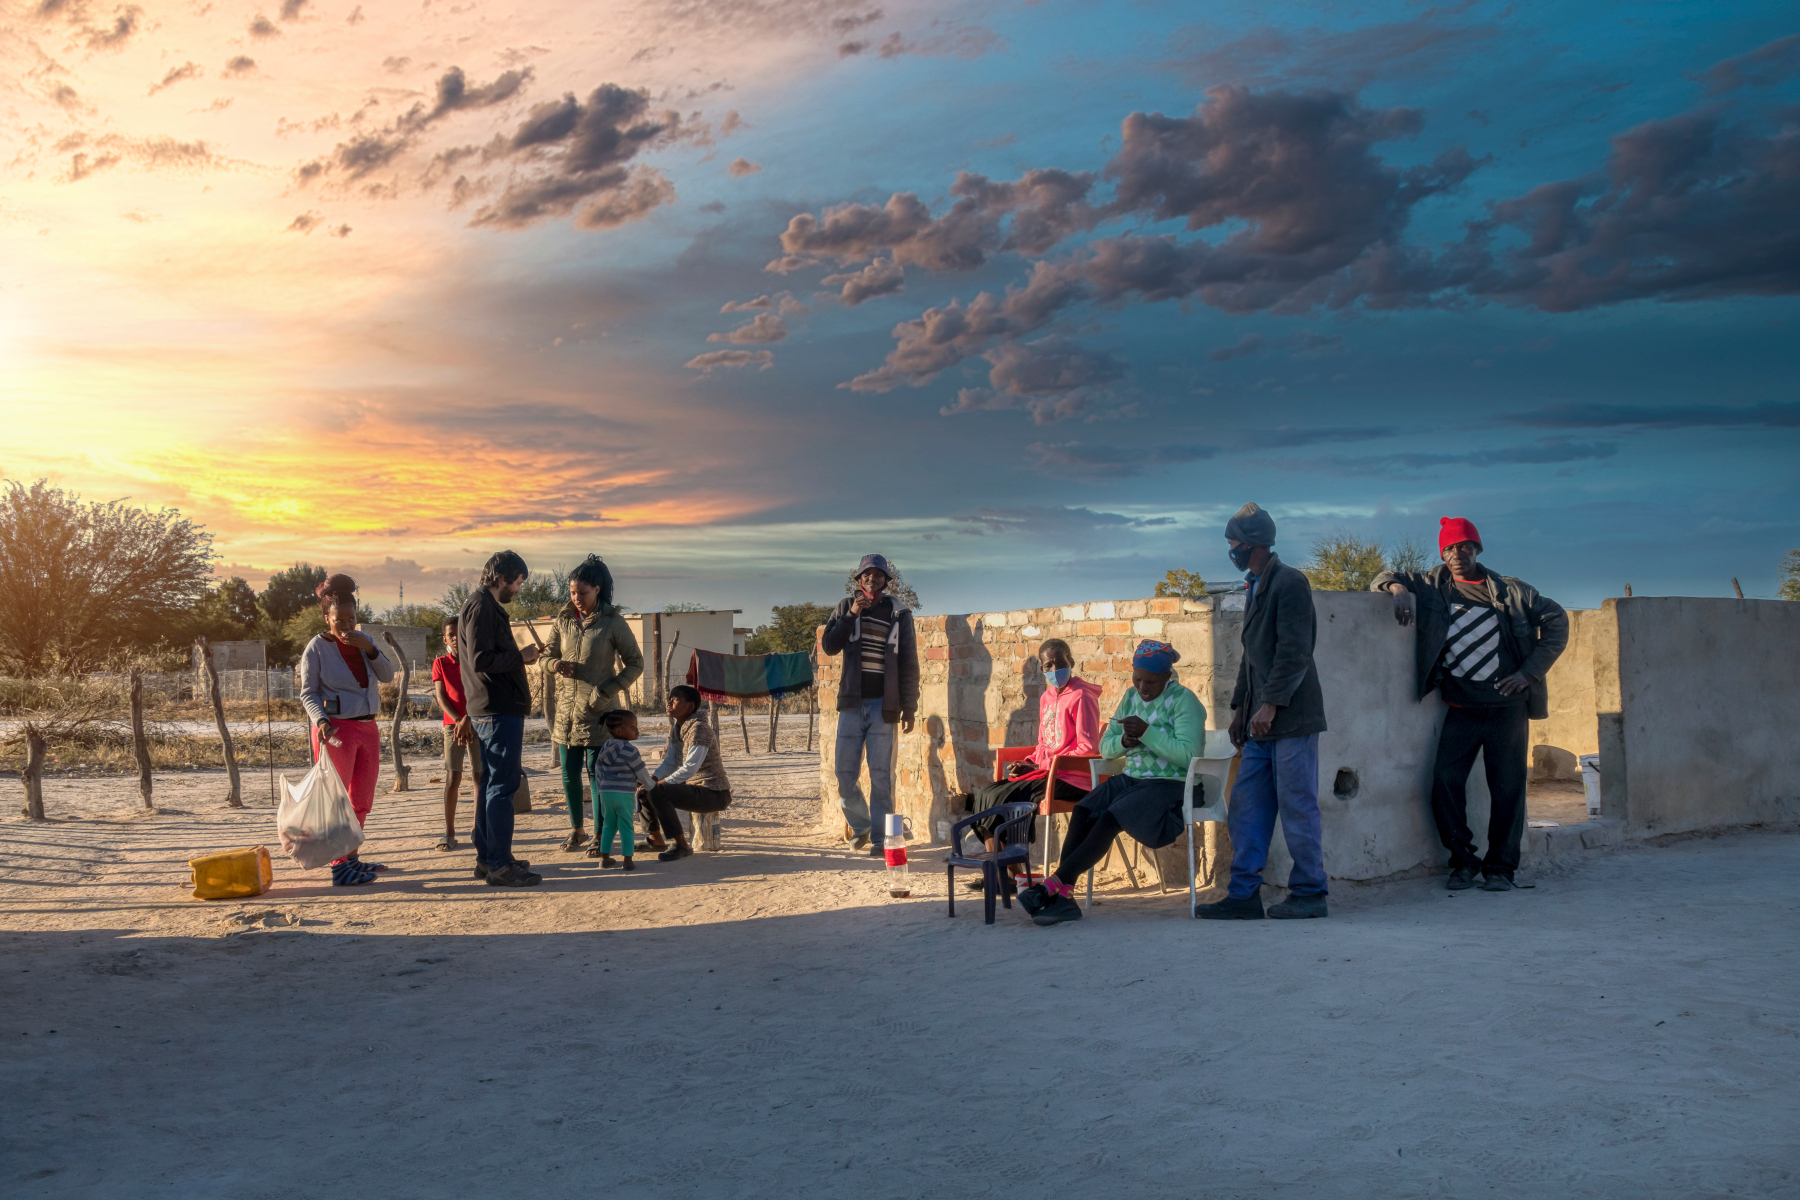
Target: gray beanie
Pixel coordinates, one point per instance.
(1252, 526)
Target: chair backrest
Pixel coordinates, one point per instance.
(1009, 754)
(1217, 744)
(1015, 823)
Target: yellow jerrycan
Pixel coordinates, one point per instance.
(232, 874)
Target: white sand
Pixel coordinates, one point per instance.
(766, 1022)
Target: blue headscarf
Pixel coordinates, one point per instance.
(1156, 656)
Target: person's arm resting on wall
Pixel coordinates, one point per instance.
(838, 629)
(1401, 585)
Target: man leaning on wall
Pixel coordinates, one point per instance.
(1486, 641)
(877, 689)
(1278, 713)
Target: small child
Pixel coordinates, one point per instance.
(617, 773)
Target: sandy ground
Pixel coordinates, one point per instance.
(765, 1021)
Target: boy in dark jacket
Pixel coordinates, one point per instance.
(1278, 713)
(879, 687)
(1486, 641)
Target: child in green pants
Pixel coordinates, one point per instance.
(618, 771)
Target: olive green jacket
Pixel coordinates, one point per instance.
(593, 646)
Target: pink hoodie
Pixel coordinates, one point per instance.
(1068, 723)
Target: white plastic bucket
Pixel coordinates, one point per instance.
(1590, 781)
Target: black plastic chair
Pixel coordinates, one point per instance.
(1014, 836)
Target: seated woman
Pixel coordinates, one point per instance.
(1158, 728)
(1068, 723)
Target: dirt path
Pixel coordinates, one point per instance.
(766, 1022)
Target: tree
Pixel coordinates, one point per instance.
(428, 617)
(1789, 575)
(226, 613)
(791, 632)
(290, 591)
(544, 595)
(1409, 555)
(1186, 584)
(681, 606)
(897, 587)
(455, 596)
(79, 580)
(1342, 562)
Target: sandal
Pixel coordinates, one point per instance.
(576, 839)
(448, 843)
(593, 850)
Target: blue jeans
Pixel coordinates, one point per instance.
(501, 741)
(1277, 777)
(861, 730)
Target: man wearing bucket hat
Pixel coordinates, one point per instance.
(877, 689)
(1485, 641)
(1278, 713)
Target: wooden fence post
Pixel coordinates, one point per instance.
(33, 774)
(235, 799)
(401, 770)
(1736, 588)
(656, 661)
(774, 720)
(139, 746)
(744, 726)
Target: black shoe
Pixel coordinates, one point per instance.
(513, 875)
(1297, 907)
(629, 865)
(973, 885)
(1247, 909)
(1497, 883)
(1034, 898)
(859, 841)
(481, 871)
(1061, 909)
(674, 852)
(1461, 879)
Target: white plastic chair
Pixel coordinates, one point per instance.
(1218, 765)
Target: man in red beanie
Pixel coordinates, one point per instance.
(1486, 641)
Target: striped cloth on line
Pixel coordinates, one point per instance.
(725, 678)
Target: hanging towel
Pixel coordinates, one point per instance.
(729, 678)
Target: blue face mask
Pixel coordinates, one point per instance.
(1059, 678)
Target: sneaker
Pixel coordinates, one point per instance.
(1061, 909)
(877, 852)
(629, 865)
(1249, 908)
(973, 885)
(350, 873)
(1034, 898)
(1297, 907)
(1497, 883)
(481, 871)
(859, 841)
(674, 852)
(1461, 879)
(513, 875)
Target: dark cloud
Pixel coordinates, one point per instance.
(156, 153)
(714, 359)
(1037, 520)
(1050, 365)
(110, 37)
(1247, 345)
(1289, 435)
(82, 165)
(304, 223)
(1351, 59)
(951, 40)
(262, 28)
(1084, 461)
(370, 152)
(1542, 451)
(241, 64)
(1029, 215)
(763, 328)
(731, 123)
(567, 152)
(396, 64)
(1307, 344)
(342, 231)
(741, 167)
(290, 9)
(1687, 416)
(175, 75)
(882, 277)
(1764, 66)
(64, 96)
(1686, 208)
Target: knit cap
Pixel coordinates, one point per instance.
(1251, 526)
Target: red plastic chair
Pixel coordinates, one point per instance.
(1048, 808)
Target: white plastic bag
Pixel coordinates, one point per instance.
(315, 822)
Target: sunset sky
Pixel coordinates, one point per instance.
(1028, 297)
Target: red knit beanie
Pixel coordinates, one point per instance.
(1452, 530)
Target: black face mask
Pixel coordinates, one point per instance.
(1240, 556)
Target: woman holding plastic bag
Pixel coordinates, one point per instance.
(341, 671)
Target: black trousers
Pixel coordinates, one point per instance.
(1006, 791)
(1089, 839)
(1502, 736)
(667, 798)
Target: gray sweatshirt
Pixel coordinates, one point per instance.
(324, 675)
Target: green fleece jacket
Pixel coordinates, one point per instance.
(1177, 722)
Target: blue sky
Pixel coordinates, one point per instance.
(1365, 265)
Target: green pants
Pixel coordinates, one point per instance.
(573, 759)
(614, 816)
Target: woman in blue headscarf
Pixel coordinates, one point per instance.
(1158, 727)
